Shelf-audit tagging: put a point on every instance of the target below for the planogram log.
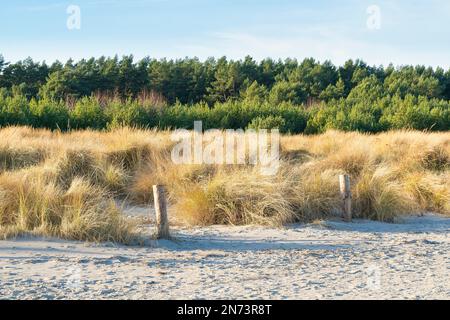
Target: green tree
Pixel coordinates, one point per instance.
(284, 91)
(335, 91)
(227, 81)
(414, 81)
(253, 93)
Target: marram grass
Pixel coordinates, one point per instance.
(67, 185)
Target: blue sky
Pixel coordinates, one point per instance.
(411, 31)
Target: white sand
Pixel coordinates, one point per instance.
(333, 260)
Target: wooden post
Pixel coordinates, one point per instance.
(344, 184)
(162, 221)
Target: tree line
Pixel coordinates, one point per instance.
(294, 96)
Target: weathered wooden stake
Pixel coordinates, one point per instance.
(344, 184)
(162, 220)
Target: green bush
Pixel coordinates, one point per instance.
(88, 114)
(418, 113)
(270, 122)
(361, 111)
(130, 113)
(49, 114)
(14, 110)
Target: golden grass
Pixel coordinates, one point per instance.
(66, 184)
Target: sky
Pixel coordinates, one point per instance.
(379, 32)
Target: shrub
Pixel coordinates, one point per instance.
(130, 113)
(49, 114)
(270, 122)
(14, 110)
(88, 114)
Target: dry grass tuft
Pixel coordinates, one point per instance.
(12, 158)
(380, 197)
(33, 204)
(437, 159)
(236, 198)
(314, 194)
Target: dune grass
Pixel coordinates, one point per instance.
(67, 184)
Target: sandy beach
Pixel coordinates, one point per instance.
(326, 260)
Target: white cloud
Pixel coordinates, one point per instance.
(323, 45)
